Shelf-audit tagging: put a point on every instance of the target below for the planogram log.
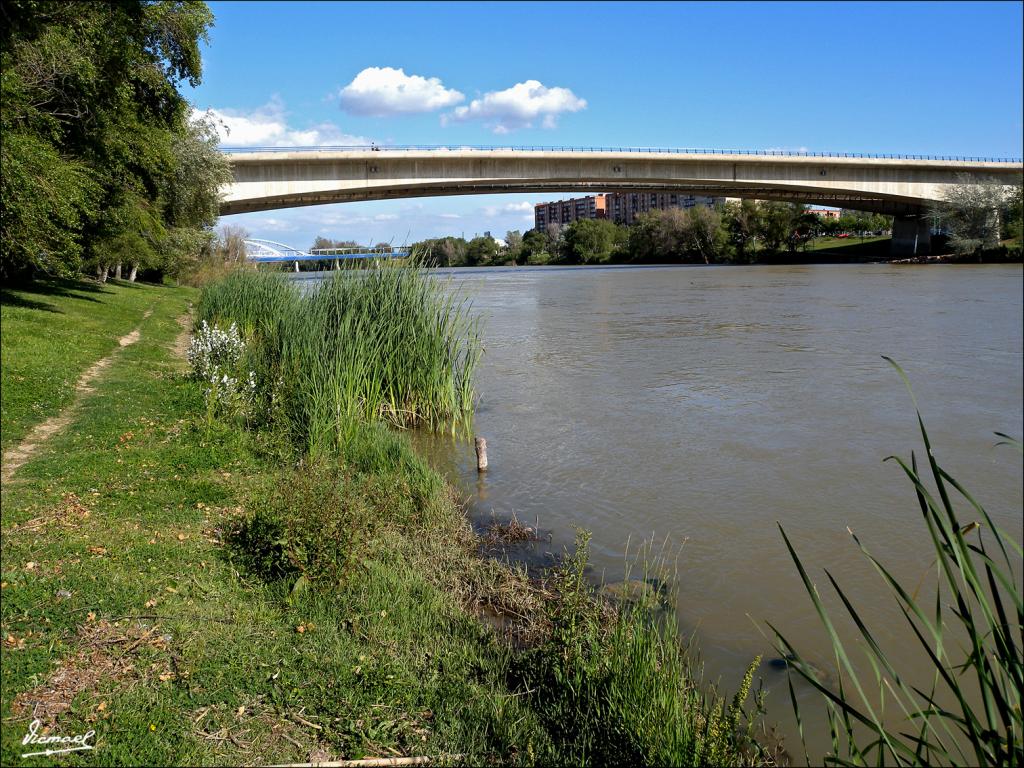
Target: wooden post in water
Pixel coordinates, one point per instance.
(481, 454)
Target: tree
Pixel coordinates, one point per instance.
(741, 221)
(658, 236)
(513, 245)
(535, 248)
(593, 241)
(778, 221)
(1013, 215)
(322, 243)
(700, 235)
(556, 240)
(441, 251)
(100, 160)
(972, 211)
(481, 251)
(230, 243)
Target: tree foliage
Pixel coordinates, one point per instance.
(102, 161)
(737, 232)
(976, 213)
(592, 241)
(481, 251)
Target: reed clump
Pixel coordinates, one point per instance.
(385, 345)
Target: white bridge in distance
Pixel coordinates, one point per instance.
(260, 251)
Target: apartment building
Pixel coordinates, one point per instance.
(624, 207)
(567, 211)
(824, 213)
(620, 207)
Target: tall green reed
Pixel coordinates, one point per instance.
(971, 640)
(388, 344)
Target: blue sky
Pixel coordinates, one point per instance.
(921, 78)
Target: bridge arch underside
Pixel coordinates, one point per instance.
(265, 181)
(854, 199)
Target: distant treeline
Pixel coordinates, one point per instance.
(737, 232)
(103, 165)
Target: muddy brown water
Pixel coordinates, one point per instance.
(703, 404)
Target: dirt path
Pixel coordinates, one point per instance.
(180, 348)
(27, 448)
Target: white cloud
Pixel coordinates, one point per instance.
(519, 207)
(787, 149)
(382, 91)
(523, 208)
(518, 106)
(449, 216)
(385, 217)
(267, 126)
(273, 225)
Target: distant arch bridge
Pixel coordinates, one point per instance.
(263, 251)
(903, 186)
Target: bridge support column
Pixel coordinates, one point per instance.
(337, 265)
(296, 266)
(911, 236)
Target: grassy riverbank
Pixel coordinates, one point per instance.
(207, 584)
(52, 332)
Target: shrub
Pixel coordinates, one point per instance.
(215, 357)
(259, 545)
(212, 351)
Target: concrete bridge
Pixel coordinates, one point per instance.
(899, 185)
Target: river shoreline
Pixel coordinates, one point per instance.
(128, 551)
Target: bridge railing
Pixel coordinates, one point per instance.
(649, 150)
(348, 251)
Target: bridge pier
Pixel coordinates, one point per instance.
(911, 236)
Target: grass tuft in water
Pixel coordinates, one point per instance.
(970, 713)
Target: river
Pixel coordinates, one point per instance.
(700, 405)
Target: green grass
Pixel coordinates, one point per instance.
(253, 604)
(53, 331)
(850, 246)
